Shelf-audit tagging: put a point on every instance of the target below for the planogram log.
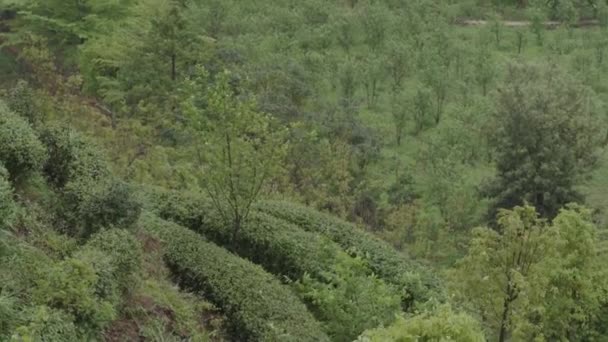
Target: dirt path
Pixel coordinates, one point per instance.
(517, 24)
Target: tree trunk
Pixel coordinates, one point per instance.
(235, 230)
(509, 298)
(173, 67)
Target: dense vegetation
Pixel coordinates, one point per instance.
(281, 170)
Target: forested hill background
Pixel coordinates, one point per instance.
(312, 170)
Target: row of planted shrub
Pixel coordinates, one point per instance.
(418, 285)
(258, 306)
(340, 290)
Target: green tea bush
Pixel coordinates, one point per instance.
(443, 325)
(89, 205)
(47, 324)
(21, 100)
(125, 253)
(258, 306)
(280, 247)
(417, 284)
(71, 286)
(349, 300)
(20, 150)
(71, 156)
(340, 290)
(7, 205)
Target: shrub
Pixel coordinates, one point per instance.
(71, 156)
(125, 253)
(258, 306)
(21, 101)
(20, 150)
(417, 284)
(443, 325)
(349, 300)
(7, 205)
(47, 324)
(71, 285)
(89, 205)
(280, 247)
(336, 287)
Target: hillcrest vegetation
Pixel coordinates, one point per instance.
(313, 170)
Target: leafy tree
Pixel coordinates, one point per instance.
(397, 63)
(346, 33)
(399, 112)
(497, 275)
(348, 83)
(244, 150)
(485, 70)
(537, 18)
(372, 74)
(520, 36)
(376, 19)
(423, 103)
(575, 276)
(546, 137)
(533, 280)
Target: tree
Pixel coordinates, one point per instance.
(422, 108)
(495, 275)
(346, 33)
(397, 64)
(372, 74)
(576, 277)
(399, 111)
(376, 19)
(243, 149)
(545, 138)
(533, 280)
(485, 69)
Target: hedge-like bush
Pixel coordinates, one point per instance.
(71, 156)
(339, 290)
(280, 247)
(89, 205)
(259, 307)
(20, 150)
(418, 285)
(7, 205)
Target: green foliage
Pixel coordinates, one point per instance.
(89, 205)
(416, 284)
(244, 150)
(546, 136)
(20, 150)
(71, 156)
(21, 100)
(258, 306)
(70, 285)
(7, 205)
(125, 253)
(534, 280)
(184, 312)
(47, 324)
(349, 301)
(335, 285)
(443, 325)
